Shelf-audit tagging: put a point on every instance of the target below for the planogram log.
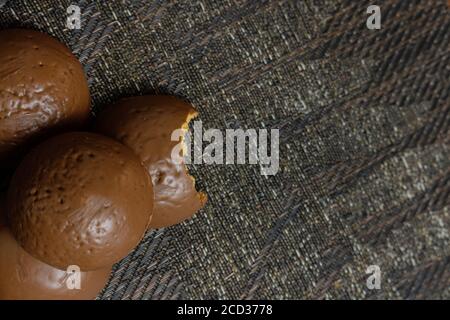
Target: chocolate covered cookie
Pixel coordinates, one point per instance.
(80, 199)
(145, 124)
(43, 89)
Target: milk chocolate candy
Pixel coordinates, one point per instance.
(23, 277)
(43, 89)
(145, 124)
(80, 199)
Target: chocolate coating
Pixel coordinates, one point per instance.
(42, 89)
(80, 199)
(145, 124)
(23, 277)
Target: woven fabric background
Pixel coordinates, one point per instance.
(364, 126)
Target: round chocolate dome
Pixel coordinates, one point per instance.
(23, 277)
(80, 199)
(42, 89)
(145, 124)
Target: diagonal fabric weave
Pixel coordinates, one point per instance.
(364, 156)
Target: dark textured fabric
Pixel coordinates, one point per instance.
(364, 157)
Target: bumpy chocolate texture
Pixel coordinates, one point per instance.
(42, 89)
(145, 124)
(23, 277)
(80, 199)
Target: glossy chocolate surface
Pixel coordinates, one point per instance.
(145, 124)
(43, 89)
(80, 199)
(23, 277)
